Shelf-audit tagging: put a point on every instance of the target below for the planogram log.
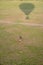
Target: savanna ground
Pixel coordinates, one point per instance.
(30, 50)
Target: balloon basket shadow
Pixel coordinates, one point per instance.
(27, 17)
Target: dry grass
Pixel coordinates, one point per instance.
(30, 50)
(11, 12)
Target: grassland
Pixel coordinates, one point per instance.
(30, 50)
(10, 11)
(27, 52)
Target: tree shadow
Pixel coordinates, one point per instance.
(27, 8)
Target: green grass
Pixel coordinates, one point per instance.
(30, 50)
(27, 52)
(9, 10)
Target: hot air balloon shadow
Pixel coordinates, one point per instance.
(26, 8)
